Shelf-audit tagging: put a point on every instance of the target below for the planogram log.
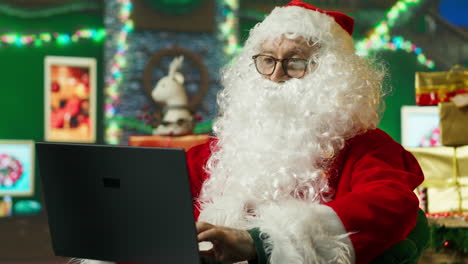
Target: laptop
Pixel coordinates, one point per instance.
(118, 203)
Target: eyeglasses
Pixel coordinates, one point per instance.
(292, 67)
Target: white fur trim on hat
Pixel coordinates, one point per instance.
(294, 21)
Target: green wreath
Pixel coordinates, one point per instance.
(174, 7)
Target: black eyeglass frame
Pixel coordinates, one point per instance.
(285, 69)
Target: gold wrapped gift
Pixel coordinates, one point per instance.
(453, 124)
(446, 177)
(435, 87)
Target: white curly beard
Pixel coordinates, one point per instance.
(275, 144)
(276, 139)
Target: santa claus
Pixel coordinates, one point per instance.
(297, 171)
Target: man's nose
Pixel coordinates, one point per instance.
(279, 75)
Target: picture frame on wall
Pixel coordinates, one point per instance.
(420, 126)
(17, 168)
(70, 86)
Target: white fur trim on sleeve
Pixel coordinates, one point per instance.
(89, 261)
(303, 233)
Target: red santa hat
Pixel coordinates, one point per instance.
(332, 29)
(345, 21)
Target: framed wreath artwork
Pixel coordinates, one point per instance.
(70, 99)
(16, 167)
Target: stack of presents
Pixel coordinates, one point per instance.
(444, 193)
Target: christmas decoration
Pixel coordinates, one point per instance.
(114, 79)
(196, 79)
(39, 39)
(11, 170)
(447, 244)
(434, 87)
(448, 215)
(381, 39)
(453, 124)
(177, 118)
(228, 28)
(445, 170)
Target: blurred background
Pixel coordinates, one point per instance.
(84, 71)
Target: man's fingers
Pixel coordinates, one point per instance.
(212, 235)
(203, 226)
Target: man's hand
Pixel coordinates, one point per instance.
(229, 244)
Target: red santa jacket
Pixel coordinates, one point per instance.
(374, 182)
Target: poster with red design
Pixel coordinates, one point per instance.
(70, 99)
(16, 168)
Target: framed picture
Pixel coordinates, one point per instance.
(420, 126)
(16, 167)
(70, 99)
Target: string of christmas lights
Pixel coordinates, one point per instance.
(380, 38)
(113, 129)
(14, 39)
(228, 29)
(462, 216)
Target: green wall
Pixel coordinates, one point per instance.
(401, 68)
(22, 73)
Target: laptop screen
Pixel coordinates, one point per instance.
(115, 203)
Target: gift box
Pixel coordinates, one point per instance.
(184, 142)
(445, 177)
(453, 124)
(435, 87)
